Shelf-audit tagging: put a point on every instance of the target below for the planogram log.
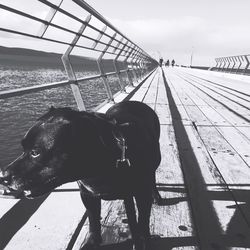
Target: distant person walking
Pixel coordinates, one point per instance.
(161, 61)
(173, 63)
(167, 63)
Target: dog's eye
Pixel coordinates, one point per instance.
(34, 153)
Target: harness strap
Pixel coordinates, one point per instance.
(119, 138)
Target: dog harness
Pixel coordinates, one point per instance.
(121, 143)
(120, 139)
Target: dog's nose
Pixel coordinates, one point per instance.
(4, 177)
(1, 174)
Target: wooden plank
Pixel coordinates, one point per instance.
(237, 141)
(170, 78)
(197, 116)
(194, 97)
(178, 86)
(161, 95)
(215, 117)
(163, 113)
(230, 101)
(183, 114)
(222, 100)
(141, 92)
(202, 94)
(53, 224)
(233, 169)
(151, 94)
(234, 118)
(226, 92)
(245, 132)
(235, 84)
(231, 117)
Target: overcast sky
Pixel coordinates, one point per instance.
(170, 28)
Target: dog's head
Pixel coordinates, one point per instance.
(49, 155)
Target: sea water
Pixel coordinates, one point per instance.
(18, 114)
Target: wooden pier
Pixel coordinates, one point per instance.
(204, 176)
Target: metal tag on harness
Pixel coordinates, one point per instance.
(123, 162)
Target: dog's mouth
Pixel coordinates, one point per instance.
(42, 189)
(33, 192)
(10, 193)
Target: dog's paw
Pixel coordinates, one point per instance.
(92, 242)
(142, 244)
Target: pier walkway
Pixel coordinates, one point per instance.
(204, 176)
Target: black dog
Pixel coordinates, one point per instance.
(112, 156)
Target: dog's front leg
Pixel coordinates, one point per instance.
(93, 206)
(132, 222)
(144, 204)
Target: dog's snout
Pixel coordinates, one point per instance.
(1, 174)
(5, 178)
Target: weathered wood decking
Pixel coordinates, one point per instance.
(204, 175)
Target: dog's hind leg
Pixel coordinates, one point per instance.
(93, 206)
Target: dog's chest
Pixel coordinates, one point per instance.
(107, 187)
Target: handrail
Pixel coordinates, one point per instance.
(134, 59)
(233, 64)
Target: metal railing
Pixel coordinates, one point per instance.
(233, 64)
(93, 34)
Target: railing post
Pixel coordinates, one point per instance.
(233, 59)
(140, 66)
(229, 62)
(133, 63)
(143, 62)
(48, 19)
(121, 82)
(221, 63)
(102, 73)
(224, 64)
(137, 65)
(140, 63)
(99, 37)
(240, 63)
(69, 69)
(128, 70)
(247, 65)
(217, 62)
